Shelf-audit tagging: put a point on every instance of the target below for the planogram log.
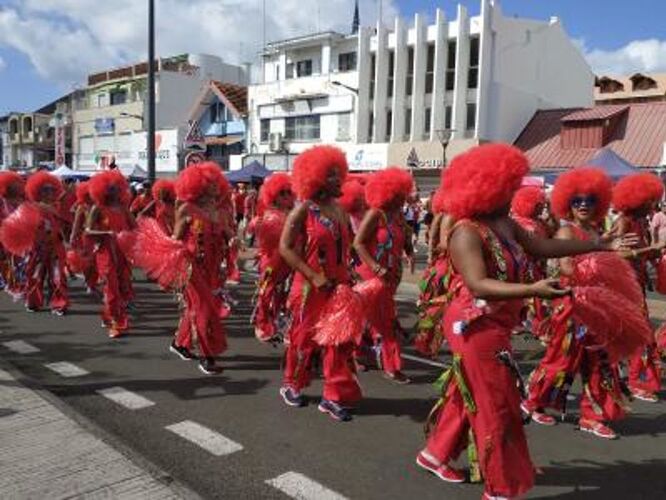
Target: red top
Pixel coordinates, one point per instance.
(139, 203)
(201, 239)
(239, 203)
(269, 232)
(386, 246)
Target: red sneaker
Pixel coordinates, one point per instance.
(444, 472)
(539, 417)
(643, 395)
(597, 428)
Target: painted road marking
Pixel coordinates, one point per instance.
(429, 362)
(301, 487)
(128, 399)
(65, 369)
(20, 347)
(5, 376)
(207, 439)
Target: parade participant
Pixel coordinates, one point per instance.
(381, 241)
(316, 244)
(12, 194)
(141, 200)
(108, 218)
(80, 243)
(198, 191)
(163, 205)
(353, 202)
(277, 199)
(487, 254)
(636, 197)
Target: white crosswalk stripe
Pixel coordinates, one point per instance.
(21, 347)
(211, 441)
(301, 487)
(5, 376)
(66, 369)
(128, 399)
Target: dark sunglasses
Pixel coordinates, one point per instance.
(579, 201)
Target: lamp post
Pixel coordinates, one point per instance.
(151, 91)
(444, 137)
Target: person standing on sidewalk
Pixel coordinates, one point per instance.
(12, 194)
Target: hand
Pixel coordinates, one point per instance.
(629, 240)
(549, 289)
(320, 281)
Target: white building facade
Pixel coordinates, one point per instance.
(481, 78)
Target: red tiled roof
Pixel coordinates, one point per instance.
(639, 138)
(235, 94)
(596, 113)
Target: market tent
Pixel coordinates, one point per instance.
(64, 172)
(133, 172)
(612, 163)
(253, 171)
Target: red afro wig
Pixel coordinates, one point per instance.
(100, 185)
(362, 179)
(483, 180)
(193, 182)
(272, 188)
(353, 196)
(581, 181)
(527, 200)
(637, 191)
(438, 202)
(388, 186)
(312, 167)
(164, 187)
(214, 171)
(10, 180)
(40, 180)
(83, 193)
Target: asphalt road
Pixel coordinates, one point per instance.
(369, 458)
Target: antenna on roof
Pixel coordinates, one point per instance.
(356, 23)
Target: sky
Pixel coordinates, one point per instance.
(47, 47)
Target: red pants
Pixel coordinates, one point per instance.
(383, 332)
(9, 273)
(645, 370)
(233, 273)
(271, 301)
(200, 319)
(47, 268)
(115, 272)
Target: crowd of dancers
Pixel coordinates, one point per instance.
(330, 248)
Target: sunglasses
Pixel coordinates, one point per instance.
(580, 201)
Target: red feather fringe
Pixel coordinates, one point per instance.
(661, 276)
(342, 320)
(19, 231)
(660, 337)
(126, 241)
(163, 258)
(608, 270)
(77, 262)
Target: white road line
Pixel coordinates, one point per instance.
(424, 361)
(5, 376)
(301, 487)
(207, 439)
(66, 369)
(20, 347)
(128, 399)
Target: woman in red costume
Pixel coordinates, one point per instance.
(12, 194)
(198, 190)
(353, 202)
(82, 244)
(316, 244)
(107, 219)
(487, 254)
(277, 199)
(163, 205)
(636, 197)
(381, 241)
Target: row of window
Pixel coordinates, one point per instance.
(297, 128)
(306, 67)
(470, 121)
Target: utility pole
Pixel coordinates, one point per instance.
(151, 91)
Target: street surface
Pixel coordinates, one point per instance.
(231, 436)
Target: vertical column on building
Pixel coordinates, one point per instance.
(399, 75)
(381, 77)
(439, 88)
(363, 100)
(418, 87)
(283, 66)
(459, 121)
(485, 70)
(326, 59)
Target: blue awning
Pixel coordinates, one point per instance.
(253, 171)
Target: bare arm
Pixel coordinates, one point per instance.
(183, 220)
(444, 229)
(91, 223)
(366, 230)
(146, 211)
(433, 240)
(77, 225)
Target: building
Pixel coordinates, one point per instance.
(5, 159)
(109, 119)
(630, 89)
(396, 94)
(30, 140)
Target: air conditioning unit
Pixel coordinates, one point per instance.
(276, 142)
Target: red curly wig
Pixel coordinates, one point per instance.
(387, 186)
(353, 196)
(483, 180)
(272, 188)
(312, 167)
(636, 191)
(438, 202)
(100, 184)
(193, 182)
(164, 185)
(581, 181)
(83, 193)
(39, 180)
(10, 180)
(526, 200)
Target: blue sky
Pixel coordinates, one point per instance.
(46, 46)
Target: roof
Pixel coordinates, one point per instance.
(235, 95)
(628, 92)
(639, 139)
(596, 113)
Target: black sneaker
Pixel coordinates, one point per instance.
(291, 397)
(182, 352)
(31, 309)
(334, 410)
(208, 366)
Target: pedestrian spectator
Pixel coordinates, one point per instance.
(238, 199)
(658, 224)
(429, 216)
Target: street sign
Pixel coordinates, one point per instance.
(194, 158)
(194, 140)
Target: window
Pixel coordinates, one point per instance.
(410, 71)
(373, 75)
(347, 61)
(430, 70)
(344, 126)
(214, 113)
(289, 71)
(302, 128)
(264, 130)
(451, 65)
(391, 70)
(473, 74)
(27, 125)
(118, 97)
(304, 68)
(427, 122)
(389, 124)
(471, 116)
(102, 100)
(408, 122)
(371, 126)
(448, 117)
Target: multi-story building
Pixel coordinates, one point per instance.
(110, 115)
(29, 139)
(630, 89)
(394, 94)
(4, 143)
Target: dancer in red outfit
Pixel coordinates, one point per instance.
(353, 202)
(381, 241)
(107, 219)
(199, 189)
(81, 243)
(12, 194)
(636, 197)
(487, 256)
(140, 201)
(277, 199)
(316, 244)
(163, 205)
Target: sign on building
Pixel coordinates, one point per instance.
(194, 140)
(367, 156)
(59, 140)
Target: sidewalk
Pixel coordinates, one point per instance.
(46, 454)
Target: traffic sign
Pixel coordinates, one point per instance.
(194, 140)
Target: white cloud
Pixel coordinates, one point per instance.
(3, 64)
(67, 39)
(644, 56)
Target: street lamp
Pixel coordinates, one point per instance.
(336, 83)
(444, 137)
(151, 90)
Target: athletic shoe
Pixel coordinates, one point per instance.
(334, 410)
(182, 352)
(291, 397)
(489, 496)
(648, 397)
(208, 366)
(114, 333)
(444, 472)
(597, 428)
(539, 417)
(58, 312)
(397, 377)
(31, 309)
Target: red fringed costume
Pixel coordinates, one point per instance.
(11, 266)
(353, 202)
(164, 196)
(80, 258)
